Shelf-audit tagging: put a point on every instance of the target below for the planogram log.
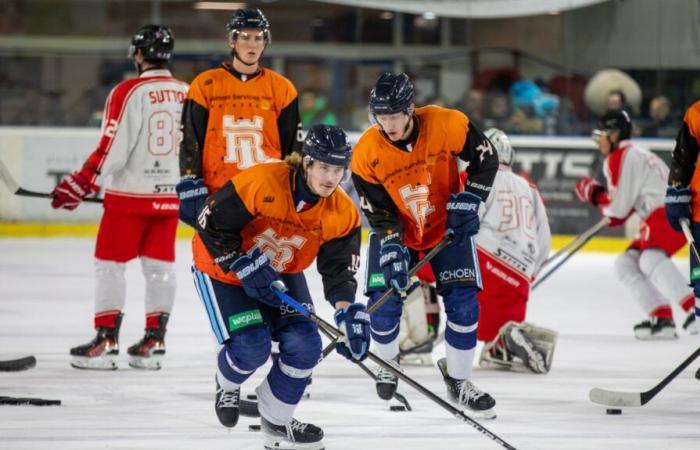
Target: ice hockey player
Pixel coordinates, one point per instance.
(236, 116)
(268, 223)
(405, 172)
(513, 242)
(636, 183)
(137, 158)
(682, 199)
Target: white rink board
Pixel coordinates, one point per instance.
(46, 307)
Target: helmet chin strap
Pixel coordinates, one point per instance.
(235, 55)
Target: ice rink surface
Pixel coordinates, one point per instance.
(46, 307)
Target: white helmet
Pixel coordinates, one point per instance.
(503, 146)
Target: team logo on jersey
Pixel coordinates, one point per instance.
(244, 141)
(484, 147)
(279, 249)
(416, 200)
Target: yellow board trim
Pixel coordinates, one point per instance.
(44, 230)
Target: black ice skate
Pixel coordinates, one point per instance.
(690, 324)
(292, 436)
(226, 405)
(387, 382)
(101, 353)
(655, 329)
(465, 394)
(524, 348)
(150, 350)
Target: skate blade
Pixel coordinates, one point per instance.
(486, 414)
(663, 335)
(278, 443)
(99, 363)
(146, 363)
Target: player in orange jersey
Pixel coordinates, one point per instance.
(235, 116)
(405, 171)
(269, 223)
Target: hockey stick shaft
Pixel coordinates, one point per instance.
(16, 189)
(583, 239)
(379, 361)
(414, 270)
(685, 226)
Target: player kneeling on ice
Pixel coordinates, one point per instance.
(405, 171)
(142, 118)
(266, 224)
(636, 183)
(513, 242)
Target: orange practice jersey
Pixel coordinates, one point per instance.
(230, 125)
(685, 170)
(419, 182)
(290, 239)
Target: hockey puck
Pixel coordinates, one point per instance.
(251, 397)
(614, 411)
(253, 427)
(397, 408)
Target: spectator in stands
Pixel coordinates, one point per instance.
(617, 101)
(498, 112)
(661, 123)
(313, 109)
(473, 105)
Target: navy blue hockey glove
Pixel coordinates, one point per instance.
(393, 260)
(463, 214)
(353, 321)
(677, 206)
(257, 275)
(192, 193)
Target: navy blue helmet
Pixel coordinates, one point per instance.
(329, 144)
(391, 94)
(156, 43)
(248, 18)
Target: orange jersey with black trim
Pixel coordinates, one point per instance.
(261, 197)
(685, 170)
(418, 181)
(232, 122)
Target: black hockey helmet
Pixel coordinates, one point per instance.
(329, 144)
(615, 120)
(391, 94)
(156, 43)
(248, 18)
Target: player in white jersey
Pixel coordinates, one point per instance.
(137, 158)
(636, 183)
(513, 242)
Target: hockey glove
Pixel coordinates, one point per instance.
(353, 321)
(257, 275)
(677, 206)
(463, 215)
(590, 191)
(393, 260)
(72, 190)
(192, 193)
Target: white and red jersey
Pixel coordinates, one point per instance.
(139, 141)
(514, 227)
(637, 181)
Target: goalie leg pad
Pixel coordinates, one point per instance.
(505, 352)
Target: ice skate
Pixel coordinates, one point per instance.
(655, 329)
(387, 382)
(292, 436)
(150, 350)
(226, 405)
(465, 394)
(102, 352)
(690, 324)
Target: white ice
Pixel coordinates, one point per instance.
(46, 308)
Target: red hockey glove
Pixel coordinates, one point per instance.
(71, 191)
(590, 191)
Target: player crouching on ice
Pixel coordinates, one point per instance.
(636, 183)
(513, 242)
(266, 224)
(405, 170)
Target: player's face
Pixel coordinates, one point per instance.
(324, 178)
(249, 45)
(394, 125)
(603, 139)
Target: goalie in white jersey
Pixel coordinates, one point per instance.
(636, 183)
(137, 157)
(513, 242)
